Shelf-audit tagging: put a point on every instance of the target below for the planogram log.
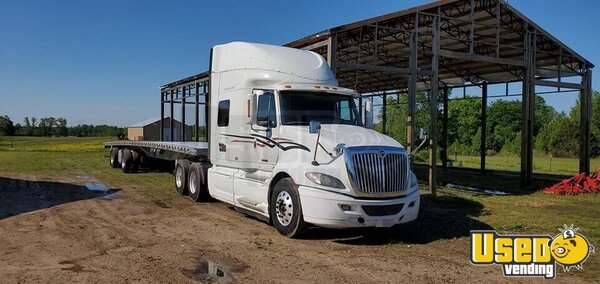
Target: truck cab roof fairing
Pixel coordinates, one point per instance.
(253, 56)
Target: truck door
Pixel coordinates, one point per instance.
(266, 131)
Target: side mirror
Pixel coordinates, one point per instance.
(251, 109)
(314, 127)
(422, 134)
(369, 114)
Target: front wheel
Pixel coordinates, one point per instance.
(285, 208)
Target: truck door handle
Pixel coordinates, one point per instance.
(222, 147)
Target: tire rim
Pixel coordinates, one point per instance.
(192, 183)
(112, 160)
(123, 163)
(284, 208)
(179, 177)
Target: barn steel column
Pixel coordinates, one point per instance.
(197, 122)
(445, 131)
(482, 148)
(384, 114)
(528, 100)
(332, 52)
(585, 114)
(182, 138)
(360, 109)
(162, 115)
(412, 90)
(171, 132)
(434, 105)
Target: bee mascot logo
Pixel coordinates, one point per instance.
(531, 255)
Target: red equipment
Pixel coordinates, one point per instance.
(580, 183)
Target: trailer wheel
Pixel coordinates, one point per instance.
(182, 167)
(285, 208)
(136, 160)
(126, 161)
(114, 158)
(198, 186)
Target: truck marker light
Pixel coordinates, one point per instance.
(248, 108)
(326, 88)
(317, 87)
(288, 86)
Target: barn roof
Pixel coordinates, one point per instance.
(480, 40)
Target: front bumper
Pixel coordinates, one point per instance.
(324, 208)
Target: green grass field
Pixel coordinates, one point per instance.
(72, 156)
(531, 213)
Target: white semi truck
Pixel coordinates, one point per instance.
(285, 144)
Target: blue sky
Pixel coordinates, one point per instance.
(101, 62)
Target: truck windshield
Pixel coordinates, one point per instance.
(299, 108)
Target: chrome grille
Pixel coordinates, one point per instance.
(378, 170)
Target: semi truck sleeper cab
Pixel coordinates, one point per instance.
(286, 144)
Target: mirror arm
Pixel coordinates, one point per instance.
(412, 154)
(314, 162)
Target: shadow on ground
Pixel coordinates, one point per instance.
(442, 217)
(21, 196)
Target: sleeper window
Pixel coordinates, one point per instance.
(223, 113)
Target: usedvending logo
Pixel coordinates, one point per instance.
(531, 255)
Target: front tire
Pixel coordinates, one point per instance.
(285, 208)
(182, 167)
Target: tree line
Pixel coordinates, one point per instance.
(555, 133)
(54, 126)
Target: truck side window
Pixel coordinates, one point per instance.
(223, 113)
(265, 116)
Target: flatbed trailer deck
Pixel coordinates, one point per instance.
(189, 149)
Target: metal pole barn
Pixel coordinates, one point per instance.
(480, 42)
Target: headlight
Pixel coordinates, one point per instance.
(413, 180)
(325, 180)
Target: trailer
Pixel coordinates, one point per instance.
(281, 142)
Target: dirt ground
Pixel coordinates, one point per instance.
(52, 229)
